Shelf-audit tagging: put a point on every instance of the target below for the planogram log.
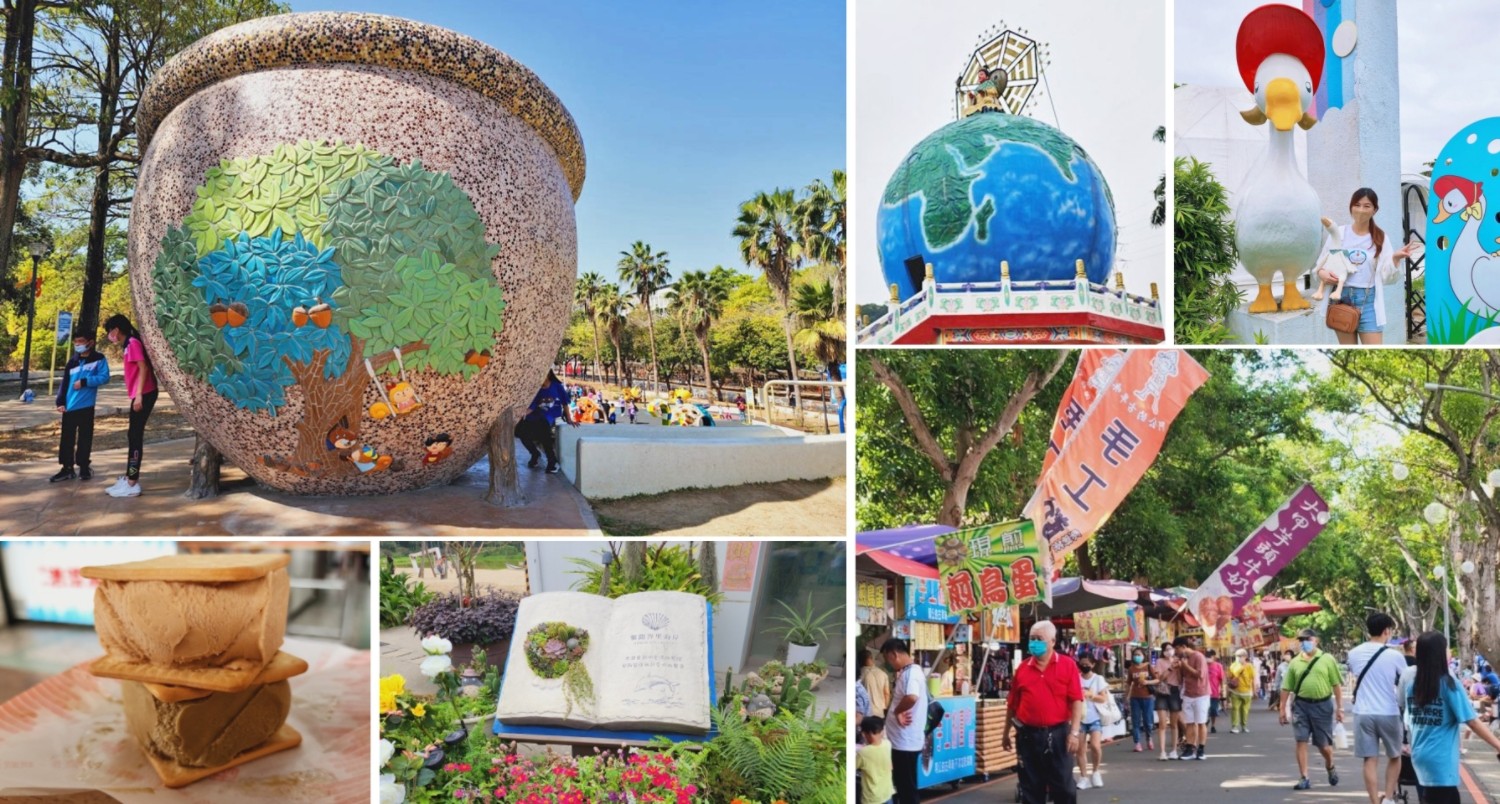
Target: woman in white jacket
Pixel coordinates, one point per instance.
(1364, 242)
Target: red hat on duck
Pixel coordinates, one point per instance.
(1278, 28)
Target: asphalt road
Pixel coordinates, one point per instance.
(1255, 768)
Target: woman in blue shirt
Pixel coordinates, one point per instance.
(1437, 707)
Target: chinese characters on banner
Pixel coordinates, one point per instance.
(1273, 545)
(870, 601)
(1096, 371)
(1106, 454)
(1107, 626)
(990, 566)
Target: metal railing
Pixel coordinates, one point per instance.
(766, 398)
(1413, 225)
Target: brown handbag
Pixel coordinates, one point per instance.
(1342, 317)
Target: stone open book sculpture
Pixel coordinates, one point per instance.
(645, 656)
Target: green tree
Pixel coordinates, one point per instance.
(767, 229)
(822, 221)
(586, 294)
(645, 271)
(1460, 426)
(928, 424)
(821, 329)
(96, 58)
(698, 299)
(614, 310)
(1203, 255)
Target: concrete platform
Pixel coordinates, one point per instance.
(609, 462)
(31, 506)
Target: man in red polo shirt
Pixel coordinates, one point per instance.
(1045, 707)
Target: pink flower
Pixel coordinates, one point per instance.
(631, 775)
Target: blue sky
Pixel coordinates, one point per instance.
(686, 110)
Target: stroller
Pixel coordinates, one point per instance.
(1408, 778)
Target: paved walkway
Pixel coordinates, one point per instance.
(15, 415)
(1254, 768)
(30, 506)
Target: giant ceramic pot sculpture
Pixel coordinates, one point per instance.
(352, 246)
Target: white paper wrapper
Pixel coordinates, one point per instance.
(66, 737)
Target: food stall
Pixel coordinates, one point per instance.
(898, 568)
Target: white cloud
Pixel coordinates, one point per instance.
(1108, 74)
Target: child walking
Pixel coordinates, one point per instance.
(140, 386)
(85, 372)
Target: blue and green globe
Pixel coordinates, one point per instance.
(995, 187)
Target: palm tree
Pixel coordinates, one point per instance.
(586, 293)
(821, 219)
(643, 272)
(698, 300)
(818, 332)
(615, 310)
(767, 229)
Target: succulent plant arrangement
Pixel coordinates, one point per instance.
(555, 650)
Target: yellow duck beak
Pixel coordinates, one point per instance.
(1283, 104)
(1443, 215)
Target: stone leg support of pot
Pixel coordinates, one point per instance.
(207, 461)
(505, 488)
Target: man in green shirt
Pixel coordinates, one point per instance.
(1315, 683)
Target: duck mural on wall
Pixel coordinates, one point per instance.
(1473, 270)
(1463, 256)
(1280, 52)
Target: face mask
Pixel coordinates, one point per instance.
(1086, 669)
(1138, 659)
(82, 349)
(1307, 646)
(1167, 653)
(1036, 647)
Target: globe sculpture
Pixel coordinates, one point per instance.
(352, 248)
(995, 187)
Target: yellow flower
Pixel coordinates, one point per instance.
(390, 687)
(420, 710)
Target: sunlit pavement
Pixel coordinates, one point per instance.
(1258, 767)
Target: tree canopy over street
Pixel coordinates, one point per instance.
(1361, 426)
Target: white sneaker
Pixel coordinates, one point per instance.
(1234, 730)
(119, 481)
(1097, 780)
(1083, 783)
(125, 490)
(1172, 755)
(1387, 800)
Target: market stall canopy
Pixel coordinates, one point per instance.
(912, 541)
(1071, 595)
(894, 563)
(1275, 608)
(906, 551)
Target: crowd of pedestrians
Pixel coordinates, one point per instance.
(1403, 707)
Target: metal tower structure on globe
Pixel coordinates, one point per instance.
(998, 228)
(1002, 74)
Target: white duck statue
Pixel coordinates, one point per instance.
(1277, 219)
(1473, 270)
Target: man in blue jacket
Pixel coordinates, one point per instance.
(86, 371)
(536, 429)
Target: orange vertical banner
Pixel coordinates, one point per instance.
(1112, 447)
(1095, 372)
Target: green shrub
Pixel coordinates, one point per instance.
(399, 597)
(1203, 255)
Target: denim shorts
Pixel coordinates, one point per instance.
(1364, 299)
(1090, 728)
